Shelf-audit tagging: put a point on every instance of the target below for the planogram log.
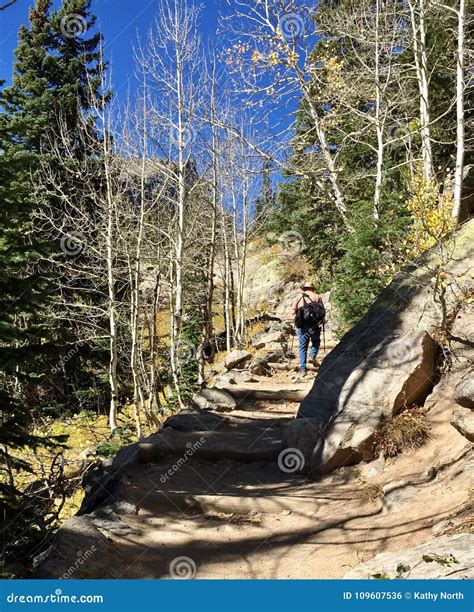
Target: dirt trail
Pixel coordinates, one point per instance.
(219, 497)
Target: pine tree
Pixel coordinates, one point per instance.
(55, 83)
(55, 74)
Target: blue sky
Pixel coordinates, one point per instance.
(120, 21)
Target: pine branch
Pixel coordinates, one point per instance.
(7, 5)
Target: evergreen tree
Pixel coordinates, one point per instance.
(55, 73)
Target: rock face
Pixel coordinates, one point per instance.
(464, 392)
(269, 338)
(80, 550)
(463, 421)
(447, 557)
(237, 358)
(383, 363)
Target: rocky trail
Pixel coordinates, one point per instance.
(216, 495)
(235, 486)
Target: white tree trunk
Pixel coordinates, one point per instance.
(227, 283)
(421, 68)
(333, 173)
(378, 119)
(112, 307)
(460, 123)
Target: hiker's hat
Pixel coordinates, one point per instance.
(307, 285)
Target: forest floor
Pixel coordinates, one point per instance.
(228, 510)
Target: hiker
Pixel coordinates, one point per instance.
(309, 313)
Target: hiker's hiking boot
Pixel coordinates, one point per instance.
(300, 376)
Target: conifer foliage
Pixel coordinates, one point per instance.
(54, 74)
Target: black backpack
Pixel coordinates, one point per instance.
(310, 314)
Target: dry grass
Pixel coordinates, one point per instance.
(407, 430)
(234, 519)
(464, 525)
(294, 269)
(370, 494)
(83, 431)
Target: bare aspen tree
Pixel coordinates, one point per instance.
(172, 60)
(145, 195)
(213, 161)
(227, 274)
(378, 115)
(245, 172)
(460, 112)
(89, 235)
(418, 11)
(275, 41)
(365, 93)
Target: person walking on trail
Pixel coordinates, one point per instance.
(309, 314)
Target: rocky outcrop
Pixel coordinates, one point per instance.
(261, 367)
(463, 421)
(385, 362)
(464, 392)
(80, 549)
(447, 557)
(214, 399)
(237, 358)
(271, 337)
(233, 378)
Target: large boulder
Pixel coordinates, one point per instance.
(384, 363)
(448, 557)
(463, 421)
(214, 399)
(271, 337)
(464, 392)
(80, 550)
(237, 358)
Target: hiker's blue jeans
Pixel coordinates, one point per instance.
(305, 335)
